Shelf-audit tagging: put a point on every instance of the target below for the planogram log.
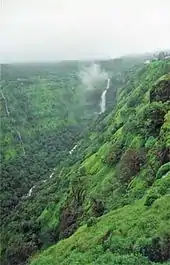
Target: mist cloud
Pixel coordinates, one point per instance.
(91, 76)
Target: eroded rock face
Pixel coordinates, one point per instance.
(68, 222)
(161, 91)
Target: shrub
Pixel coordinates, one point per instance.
(91, 221)
(128, 259)
(49, 237)
(153, 118)
(82, 171)
(18, 252)
(162, 185)
(114, 154)
(164, 155)
(97, 207)
(161, 90)
(153, 196)
(150, 142)
(163, 170)
(158, 249)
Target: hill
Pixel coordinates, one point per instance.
(108, 202)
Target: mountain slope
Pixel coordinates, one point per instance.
(116, 238)
(43, 113)
(118, 171)
(127, 165)
(45, 110)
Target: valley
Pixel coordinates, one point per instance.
(85, 171)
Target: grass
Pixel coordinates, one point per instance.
(112, 237)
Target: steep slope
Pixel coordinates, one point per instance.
(43, 113)
(111, 175)
(124, 236)
(45, 110)
(124, 177)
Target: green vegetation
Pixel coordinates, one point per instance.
(108, 202)
(116, 238)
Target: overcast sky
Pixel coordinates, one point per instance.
(33, 30)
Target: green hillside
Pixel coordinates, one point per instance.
(43, 113)
(127, 172)
(106, 203)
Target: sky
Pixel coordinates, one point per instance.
(51, 30)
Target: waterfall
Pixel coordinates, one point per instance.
(71, 151)
(30, 192)
(21, 141)
(103, 98)
(42, 181)
(18, 133)
(6, 105)
(51, 175)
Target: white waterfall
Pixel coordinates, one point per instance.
(71, 151)
(7, 112)
(51, 175)
(108, 84)
(30, 192)
(6, 105)
(43, 181)
(21, 141)
(103, 102)
(103, 98)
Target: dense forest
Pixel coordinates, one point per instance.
(107, 201)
